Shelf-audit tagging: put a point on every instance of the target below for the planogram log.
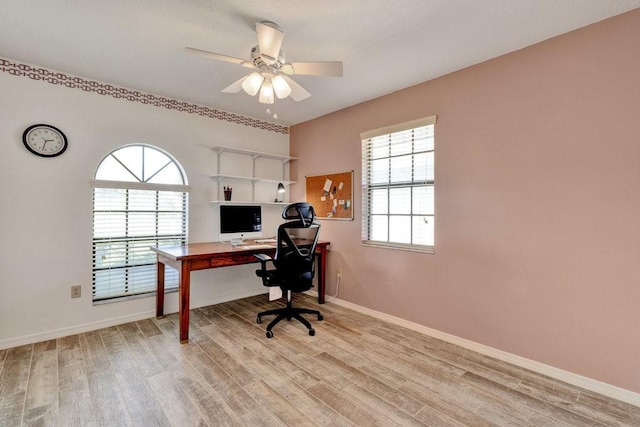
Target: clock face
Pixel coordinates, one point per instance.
(44, 140)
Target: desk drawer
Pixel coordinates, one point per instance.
(200, 264)
(227, 259)
(224, 261)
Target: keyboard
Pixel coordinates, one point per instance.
(258, 246)
(265, 241)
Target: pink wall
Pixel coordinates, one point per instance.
(537, 203)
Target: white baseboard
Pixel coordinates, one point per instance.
(113, 321)
(541, 368)
(75, 329)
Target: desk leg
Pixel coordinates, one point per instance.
(322, 274)
(183, 300)
(160, 291)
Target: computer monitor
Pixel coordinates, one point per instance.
(240, 221)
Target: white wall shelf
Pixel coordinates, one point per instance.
(255, 154)
(240, 202)
(220, 177)
(251, 178)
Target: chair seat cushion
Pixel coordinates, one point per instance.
(296, 285)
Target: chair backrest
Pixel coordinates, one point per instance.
(296, 245)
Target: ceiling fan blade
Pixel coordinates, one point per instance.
(270, 37)
(318, 68)
(298, 93)
(219, 57)
(234, 87)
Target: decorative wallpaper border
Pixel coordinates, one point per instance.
(57, 78)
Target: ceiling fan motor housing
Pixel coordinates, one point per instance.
(265, 65)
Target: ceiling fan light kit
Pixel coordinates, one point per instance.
(280, 86)
(271, 71)
(266, 92)
(252, 83)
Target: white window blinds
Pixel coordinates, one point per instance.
(398, 184)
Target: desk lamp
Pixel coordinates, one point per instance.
(280, 191)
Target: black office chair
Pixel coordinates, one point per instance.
(293, 261)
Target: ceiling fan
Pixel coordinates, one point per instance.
(271, 73)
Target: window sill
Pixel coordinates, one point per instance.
(131, 297)
(408, 248)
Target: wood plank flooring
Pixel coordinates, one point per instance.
(356, 370)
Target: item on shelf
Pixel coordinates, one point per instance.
(227, 193)
(279, 192)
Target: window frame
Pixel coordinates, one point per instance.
(368, 186)
(128, 240)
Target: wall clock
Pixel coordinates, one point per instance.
(44, 140)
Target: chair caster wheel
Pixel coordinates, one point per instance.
(258, 319)
(320, 317)
(269, 334)
(312, 332)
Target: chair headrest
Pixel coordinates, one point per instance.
(301, 211)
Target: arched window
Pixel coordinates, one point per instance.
(139, 200)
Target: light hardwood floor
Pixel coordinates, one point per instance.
(356, 370)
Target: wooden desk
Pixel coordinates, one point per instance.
(200, 256)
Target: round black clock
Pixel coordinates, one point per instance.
(44, 140)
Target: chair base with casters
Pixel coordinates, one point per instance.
(289, 312)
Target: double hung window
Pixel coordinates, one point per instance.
(398, 184)
(139, 200)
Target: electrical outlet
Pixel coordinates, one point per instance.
(76, 291)
(339, 273)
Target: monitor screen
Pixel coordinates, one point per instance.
(240, 219)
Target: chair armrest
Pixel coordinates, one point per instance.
(263, 258)
(266, 275)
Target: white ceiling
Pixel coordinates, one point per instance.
(385, 45)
